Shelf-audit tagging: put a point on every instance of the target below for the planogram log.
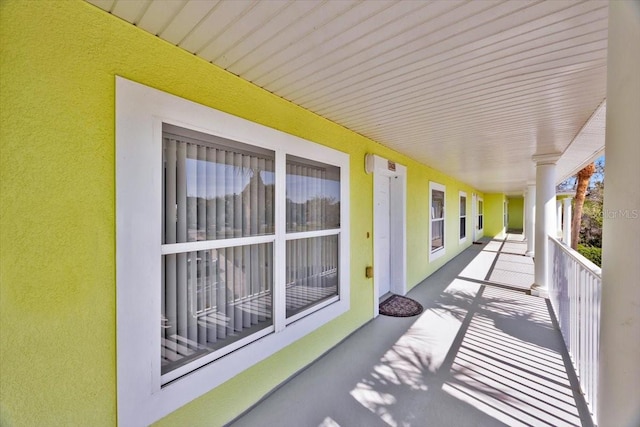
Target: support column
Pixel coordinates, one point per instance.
(566, 223)
(530, 218)
(558, 218)
(545, 219)
(619, 367)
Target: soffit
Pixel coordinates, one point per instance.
(471, 88)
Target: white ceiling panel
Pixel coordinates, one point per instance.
(184, 22)
(131, 11)
(472, 88)
(160, 14)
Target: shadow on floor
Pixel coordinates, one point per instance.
(479, 355)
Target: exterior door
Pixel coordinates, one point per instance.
(383, 233)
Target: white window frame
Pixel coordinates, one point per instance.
(437, 253)
(462, 194)
(478, 215)
(140, 112)
(505, 214)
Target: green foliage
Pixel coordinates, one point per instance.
(591, 221)
(592, 253)
(591, 224)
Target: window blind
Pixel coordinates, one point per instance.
(313, 205)
(212, 298)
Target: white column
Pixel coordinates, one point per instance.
(619, 391)
(545, 218)
(558, 218)
(566, 223)
(530, 218)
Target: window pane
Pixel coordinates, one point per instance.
(312, 272)
(215, 191)
(463, 227)
(437, 204)
(463, 206)
(213, 298)
(313, 195)
(437, 234)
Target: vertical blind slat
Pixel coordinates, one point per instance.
(212, 298)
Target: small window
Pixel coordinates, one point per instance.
(480, 215)
(437, 228)
(463, 216)
(505, 211)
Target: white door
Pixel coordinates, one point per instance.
(382, 237)
(474, 216)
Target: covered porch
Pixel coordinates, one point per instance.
(477, 101)
(484, 352)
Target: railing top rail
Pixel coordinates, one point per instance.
(588, 265)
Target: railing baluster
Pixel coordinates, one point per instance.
(575, 292)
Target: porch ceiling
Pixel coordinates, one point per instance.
(472, 88)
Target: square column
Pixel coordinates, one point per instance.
(619, 367)
(545, 219)
(530, 218)
(566, 221)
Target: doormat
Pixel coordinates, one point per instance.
(477, 243)
(398, 306)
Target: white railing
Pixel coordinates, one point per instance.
(575, 289)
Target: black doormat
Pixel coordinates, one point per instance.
(398, 306)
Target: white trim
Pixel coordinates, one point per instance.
(189, 367)
(280, 248)
(380, 166)
(176, 248)
(480, 231)
(140, 112)
(437, 253)
(310, 234)
(310, 310)
(466, 216)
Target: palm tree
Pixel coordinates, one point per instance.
(583, 178)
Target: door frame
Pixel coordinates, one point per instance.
(397, 225)
(478, 232)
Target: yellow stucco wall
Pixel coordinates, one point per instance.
(516, 212)
(493, 214)
(57, 238)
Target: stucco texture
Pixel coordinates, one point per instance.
(57, 238)
(516, 212)
(494, 214)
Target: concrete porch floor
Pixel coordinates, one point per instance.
(483, 353)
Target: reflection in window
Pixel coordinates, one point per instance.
(312, 272)
(437, 219)
(313, 195)
(463, 217)
(213, 191)
(213, 298)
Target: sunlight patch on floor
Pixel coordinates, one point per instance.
(328, 422)
(505, 368)
(419, 352)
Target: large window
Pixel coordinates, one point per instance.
(436, 230)
(232, 243)
(214, 190)
(463, 216)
